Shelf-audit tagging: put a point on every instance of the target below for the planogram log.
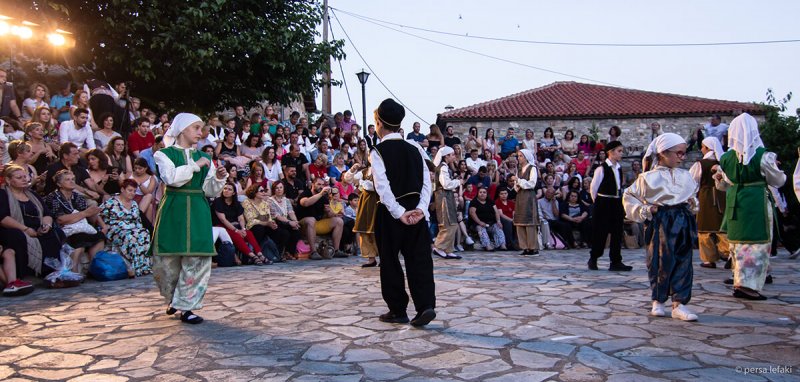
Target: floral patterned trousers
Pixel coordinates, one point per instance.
(182, 280)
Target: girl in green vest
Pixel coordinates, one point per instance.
(182, 242)
(746, 170)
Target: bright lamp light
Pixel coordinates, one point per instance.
(22, 32)
(4, 28)
(56, 39)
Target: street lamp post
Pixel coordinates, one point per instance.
(362, 77)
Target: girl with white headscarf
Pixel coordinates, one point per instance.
(664, 199)
(713, 244)
(745, 172)
(526, 214)
(182, 242)
(444, 188)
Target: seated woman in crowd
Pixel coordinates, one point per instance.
(104, 186)
(488, 156)
(44, 116)
(27, 224)
(573, 184)
(81, 100)
(461, 171)
(317, 169)
(338, 168)
(486, 217)
(550, 183)
(280, 148)
(271, 166)
(361, 156)
(228, 151)
(252, 147)
(572, 172)
(577, 215)
(488, 143)
(39, 96)
(208, 149)
(435, 137)
(599, 158)
(585, 196)
(345, 186)
(492, 172)
(346, 153)
(530, 142)
(630, 176)
(472, 141)
(549, 144)
(78, 220)
(585, 146)
(103, 136)
(550, 169)
(230, 214)
(569, 145)
(42, 153)
(20, 153)
(259, 220)
(118, 157)
(510, 166)
(256, 176)
(126, 233)
(560, 162)
(280, 208)
(582, 163)
(145, 193)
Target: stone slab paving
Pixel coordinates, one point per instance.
(501, 317)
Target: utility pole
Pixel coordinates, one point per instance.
(326, 88)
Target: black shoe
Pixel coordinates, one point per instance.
(423, 318)
(708, 265)
(534, 252)
(728, 281)
(393, 318)
(729, 263)
(739, 294)
(171, 311)
(524, 253)
(592, 264)
(620, 268)
(370, 264)
(191, 318)
(768, 280)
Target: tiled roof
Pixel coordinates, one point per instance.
(579, 100)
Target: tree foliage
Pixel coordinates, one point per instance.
(781, 132)
(199, 54)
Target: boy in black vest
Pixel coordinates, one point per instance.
(403, 184)
(609, 215)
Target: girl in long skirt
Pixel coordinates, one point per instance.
(664, 199)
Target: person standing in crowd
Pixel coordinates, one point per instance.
(445, 201)
(404, 189)
(608, 213)
(713, 244)
(181, 251)
(450, 138)
(60, 103)
(664, 199)
(508, 144)
(8, 97)
(39, 96)
(745, 172)
(415, 135)
(526, 215)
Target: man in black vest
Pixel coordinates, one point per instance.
(609, 215)
(403, 184)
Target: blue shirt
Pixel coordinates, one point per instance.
(57, 102)
(508, 145)
(477, 180)
(147, 154)
(419, 137)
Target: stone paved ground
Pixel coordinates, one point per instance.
(501, 318)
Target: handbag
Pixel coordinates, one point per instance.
(80, 226)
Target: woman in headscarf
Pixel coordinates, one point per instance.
(444, 186)
(746, 171)
(664, 199)
(713, 243)
(526, 216)
(182, 239)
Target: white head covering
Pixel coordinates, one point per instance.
(443, 151)
(744, 138)
(528, 153)
(662, 143)
(179, 123)
(713, 144)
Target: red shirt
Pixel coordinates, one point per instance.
(507, 209)
(318, 172)
(582, 166)
(138, 143)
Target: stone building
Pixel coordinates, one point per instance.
(580, 107)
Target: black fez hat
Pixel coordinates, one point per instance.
(612, 145)
(391, 113)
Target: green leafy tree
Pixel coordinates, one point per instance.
(198, 55)
(780, 131)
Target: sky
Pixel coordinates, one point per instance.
(426, 76)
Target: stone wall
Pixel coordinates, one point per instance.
(635, 131)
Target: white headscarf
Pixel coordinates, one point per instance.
(443, 151)
(744, 138)
(713, 144)
(179, 123)
(662, 143)
(528, 153)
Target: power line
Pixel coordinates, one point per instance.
(373, 70)
(483, 54)
(569, 43)
(341, 69)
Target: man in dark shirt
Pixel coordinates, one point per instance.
(317, 218)
(239, 118)
(296, 160)
(8, 98)
(450, 139)
(68, 156)
(292, 186)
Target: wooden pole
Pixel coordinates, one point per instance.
(326, 88)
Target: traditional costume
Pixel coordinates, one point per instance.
(365, 216)
(445, 205)
(608, 216)
(670, 232)
(746, 170)
(526, 214)
(713, 244)
(182, 242)
(402, 181)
